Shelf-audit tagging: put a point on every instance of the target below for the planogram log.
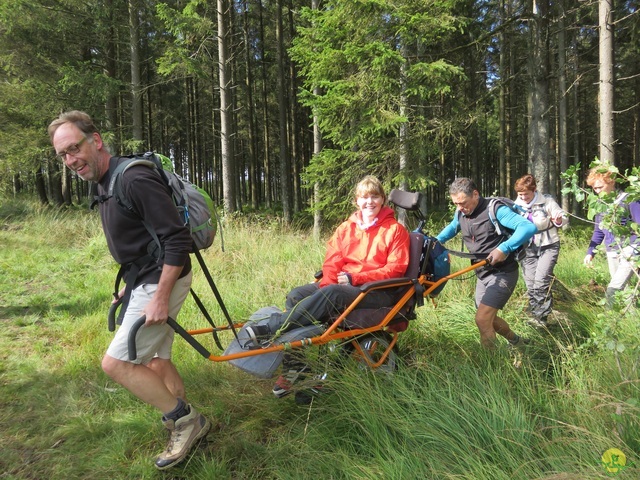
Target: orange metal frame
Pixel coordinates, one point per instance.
(334, 332)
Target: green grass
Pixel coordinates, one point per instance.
(451, 411)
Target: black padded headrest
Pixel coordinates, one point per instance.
(406, 200)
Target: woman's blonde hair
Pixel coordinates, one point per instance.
(370, 185)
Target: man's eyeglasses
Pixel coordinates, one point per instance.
(72, 150)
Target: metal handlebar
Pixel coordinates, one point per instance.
(133, 351)
(111, 316)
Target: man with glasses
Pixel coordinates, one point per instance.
(621, 252)
(158, 289)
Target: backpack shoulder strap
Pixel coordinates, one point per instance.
(116, 190)
(621, 198)
(113, 163)
(115, 184)
(494, 203)
(116, 171)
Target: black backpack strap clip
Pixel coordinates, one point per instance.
(98, 199)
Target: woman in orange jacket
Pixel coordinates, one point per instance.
(370, 245)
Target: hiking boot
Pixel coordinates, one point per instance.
(516, 348)
(519, 342)
(258, 334)
(184, 433)
(556, 318)
(538, 323)
(285, 382)
(306, 396)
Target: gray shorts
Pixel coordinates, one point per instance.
(494, 287)
(155, 340)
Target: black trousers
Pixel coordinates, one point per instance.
(309, 304)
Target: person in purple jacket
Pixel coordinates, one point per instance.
(158, 286)
(621, 252)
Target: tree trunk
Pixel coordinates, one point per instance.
(577, 124)
(55, 182)
(111, 104)
(295, 132)
(136, 88)
(471, 93)
(502, 99)
(285, 161)
(563, 152)
(16, 184)
(403, 132)
(41, 187)
(66, 185)
(511, 154)
(538, 98)
(234, 138)
(254, 177)
(607, 80)
(317, 148)
(266, 147)
(228, 179)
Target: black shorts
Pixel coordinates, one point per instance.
(494, 287)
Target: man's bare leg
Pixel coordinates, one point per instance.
(141, 381)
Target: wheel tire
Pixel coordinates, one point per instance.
(373, 346)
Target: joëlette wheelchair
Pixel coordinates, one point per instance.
(371, 335)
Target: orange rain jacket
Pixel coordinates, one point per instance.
(378, 252)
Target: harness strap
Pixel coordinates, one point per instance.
(103, 198)
(129, 273)
(460, 254)
(419, 294)
(426, 256)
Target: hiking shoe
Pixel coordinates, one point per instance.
(306, 395)
(516, 349)
(519, 342)
(285, 382)
(184, 433)
(258, 334)
(538, 323)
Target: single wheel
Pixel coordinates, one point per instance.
(376, 350)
